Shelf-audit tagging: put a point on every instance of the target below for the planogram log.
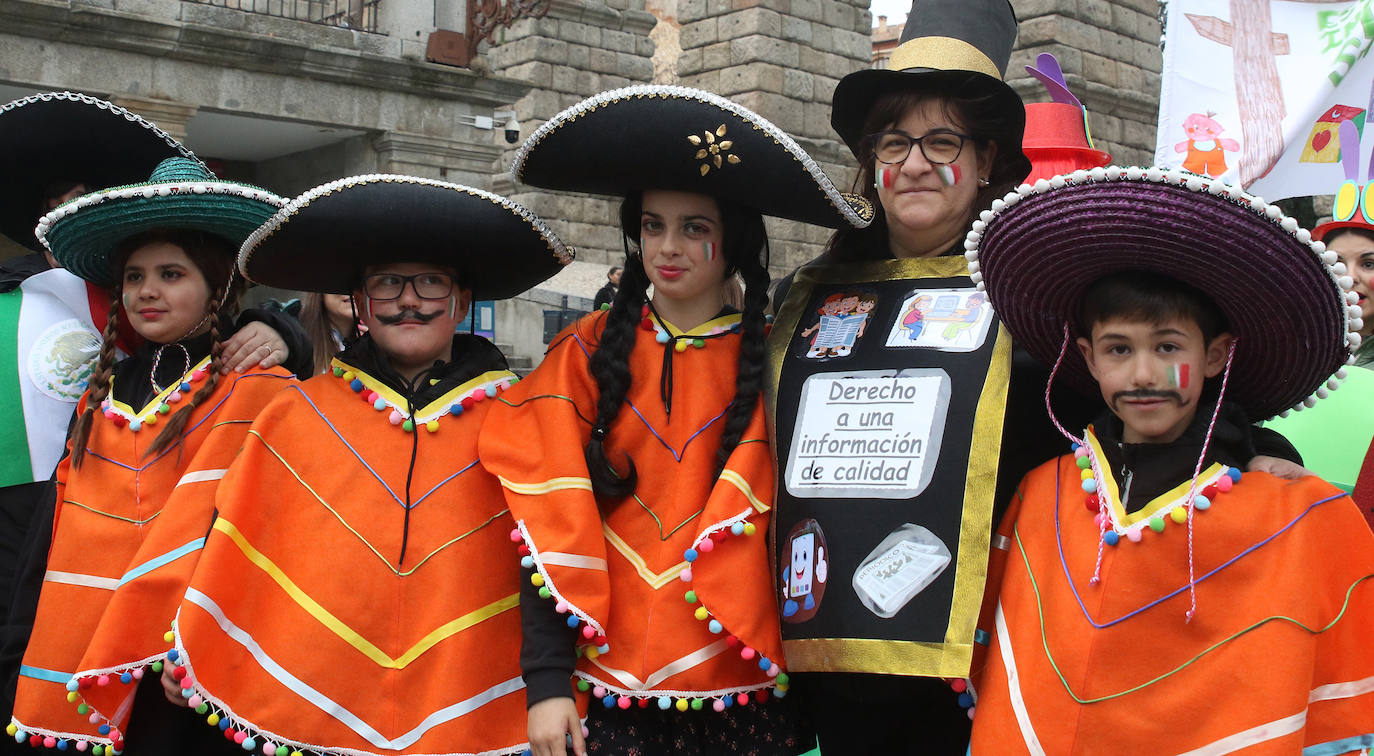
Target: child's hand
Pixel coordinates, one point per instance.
(1279, 468)
(171, 687)
(551, 722)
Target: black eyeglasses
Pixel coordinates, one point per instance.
(387, 286)
(939, 148)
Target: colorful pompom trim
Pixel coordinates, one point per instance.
(122, 415)
(1112, 532)
(706, 543)
(591, 637)
(429, 418)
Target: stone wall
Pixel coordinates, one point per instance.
(1109, 50)
(781, 59)
(580, 48)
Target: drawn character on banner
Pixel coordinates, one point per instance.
(1323, 144)
(843, 319)
(1206, 150)
(805, 575)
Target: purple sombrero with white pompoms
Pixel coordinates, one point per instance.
(1039, 248)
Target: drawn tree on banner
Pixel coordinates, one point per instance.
(1259, 93)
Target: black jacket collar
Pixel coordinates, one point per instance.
(1154, 469)
(469, 357)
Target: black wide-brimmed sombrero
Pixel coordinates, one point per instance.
(1285, 296)
(66, 136)
(181, 193)
(948, 47)
(683, 139)
(322, 240)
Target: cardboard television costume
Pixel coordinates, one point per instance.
(886, 395)
(619, 575)
(373, 607)
(129, 527)
(1232, 612)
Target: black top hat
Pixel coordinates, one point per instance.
(948, 46)
(322, 240)
(683, 139)
(73, 137)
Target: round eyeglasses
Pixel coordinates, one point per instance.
(387, 286)
(938, 148)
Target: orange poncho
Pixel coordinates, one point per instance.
(126, 536)
(304, 627)
(1276, 660)
(683, 534)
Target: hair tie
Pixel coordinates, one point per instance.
(599, 433)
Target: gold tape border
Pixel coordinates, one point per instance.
(952, 657)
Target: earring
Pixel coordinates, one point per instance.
(982, 181)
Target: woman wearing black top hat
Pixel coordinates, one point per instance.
(879, 658)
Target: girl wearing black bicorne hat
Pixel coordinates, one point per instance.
(635, 458)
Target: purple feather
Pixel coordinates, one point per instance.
(1350, 150)
(1047, 70)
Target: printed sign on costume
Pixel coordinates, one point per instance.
(871, 433)
(889, 465)
(1254, 91)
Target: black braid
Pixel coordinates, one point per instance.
(752, 357)
(610, 367)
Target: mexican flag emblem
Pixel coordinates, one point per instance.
(49, 343)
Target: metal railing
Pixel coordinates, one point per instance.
(346, 14)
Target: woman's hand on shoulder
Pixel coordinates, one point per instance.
(255, 344)
(1279, 468)
(551, 722)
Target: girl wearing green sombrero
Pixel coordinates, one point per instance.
(153, 433)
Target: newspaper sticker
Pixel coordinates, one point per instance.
(841, 321)
(907, 561)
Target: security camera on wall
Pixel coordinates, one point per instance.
(512, 126)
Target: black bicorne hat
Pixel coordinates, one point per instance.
(955, 47)
(74, 137)
(683, 139)
(322, 240)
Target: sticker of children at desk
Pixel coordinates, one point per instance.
(952, 320)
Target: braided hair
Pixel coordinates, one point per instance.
(214, 257)
(99, 386)
(744, 245)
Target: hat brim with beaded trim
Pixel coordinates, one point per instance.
(73, 137)
(1285, 296)
(947, 47)
(322, 240)
(683, 139)
(181, 193)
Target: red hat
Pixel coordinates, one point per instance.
(1057, 138)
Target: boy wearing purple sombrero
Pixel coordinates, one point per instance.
(1190, 609)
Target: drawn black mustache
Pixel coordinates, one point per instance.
(1173, 396)
(413, 316)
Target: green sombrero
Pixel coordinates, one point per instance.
(181, 193)
(322, 240)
